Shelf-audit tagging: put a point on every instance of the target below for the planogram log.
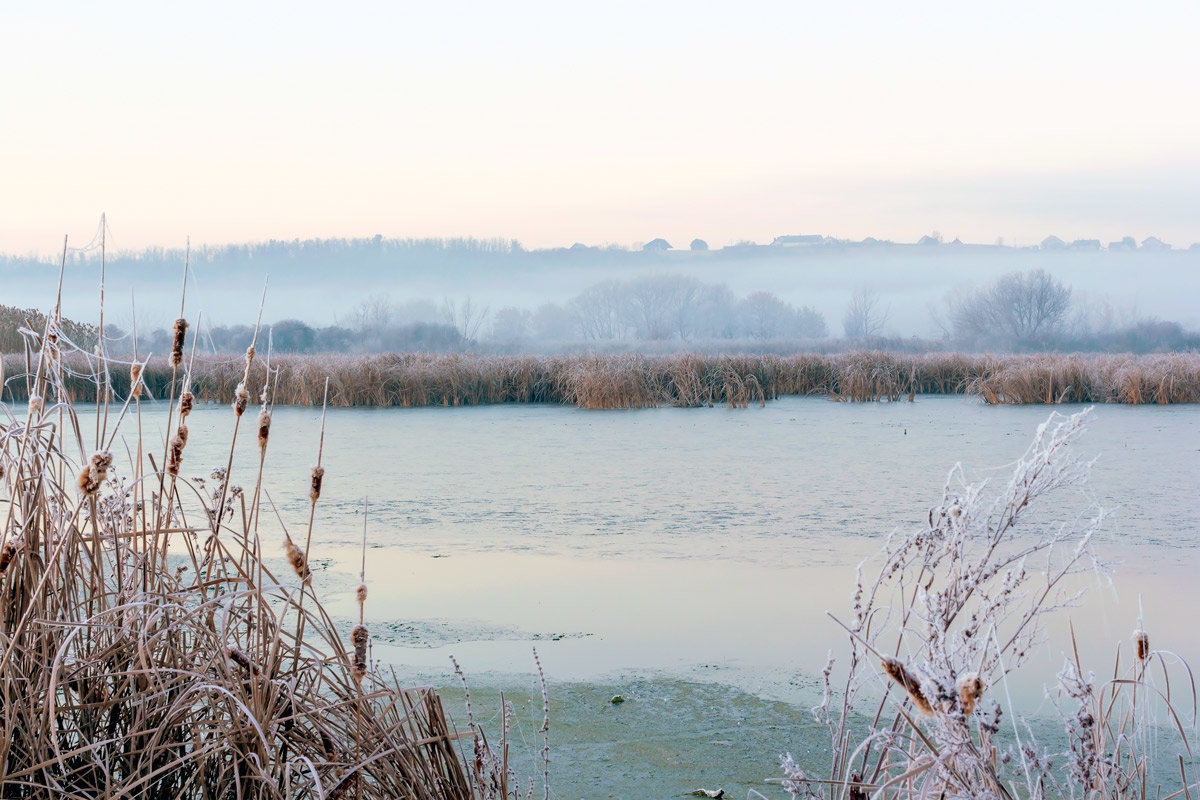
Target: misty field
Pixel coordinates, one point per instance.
(636, 381)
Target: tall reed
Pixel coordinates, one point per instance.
(147, 646)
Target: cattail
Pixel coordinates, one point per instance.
(359, 638)
(318, 476)
(296, 558)
(264, 428)
(899, 673)
(178, 442)
(327, 745)
(242, 660)
(186, 401)
(1142, 639)
(135, 380)
(35, 405)
(240, 398)
(970, 689)
(361, 593)
(181, 326)
(7, 554)
(249, 356)
(92, 476)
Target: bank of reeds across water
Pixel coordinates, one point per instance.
(637, 381)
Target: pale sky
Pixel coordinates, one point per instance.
(612, 122)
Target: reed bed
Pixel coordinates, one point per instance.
(155, 645)
(641, 381)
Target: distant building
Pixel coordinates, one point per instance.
(656, 246)
(1155, 245)
(804, 240)
(929, 240)
(1053, 243)
(1085, 244)
(1126, 243)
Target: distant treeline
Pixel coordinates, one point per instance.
(637, 381)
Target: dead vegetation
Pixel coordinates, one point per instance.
(149, 650)
(641, 381)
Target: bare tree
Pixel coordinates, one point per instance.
(864, 319)
(464, 316)
(1021, 309)
(599, 310)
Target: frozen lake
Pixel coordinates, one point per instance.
(690, 552)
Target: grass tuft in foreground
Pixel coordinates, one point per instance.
(148, 650)
(939, 624)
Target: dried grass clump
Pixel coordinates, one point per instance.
(955, 607)
(149, 649)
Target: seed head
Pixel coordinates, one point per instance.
(35, 404)
(1142, 639)
(135, 380)
(296, 558)
(186, 401)
(970, 689)
(358, 638)
(318, 477)
(240, 398)
(264, 428)
(92, 476)
(181, 326)
(178, 442)
(361, 593)
(7, 554)
(896, 670)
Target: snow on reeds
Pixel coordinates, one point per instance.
(149, 648)
(941, 620)
(640, 381)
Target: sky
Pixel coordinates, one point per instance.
(614, 122)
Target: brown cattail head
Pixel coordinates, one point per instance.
(240, 398)
(92, 476)
(1142, 640)
(896, 670)
(181, 326)
(970, 689)
(135, 380)
(7, 554)
(249, 356)
(178, 442)
(264, 428)
(318, 477)
(242, 660)
(358, 637)
(35, 405)
(296, 558)
(361, 593)
(186, 401)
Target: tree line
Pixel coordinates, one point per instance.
(1019, 312)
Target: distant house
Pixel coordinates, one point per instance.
(1126, 243)
(1155, 245)
(1085, 244)
(656, 246)
(1053, 243)
(803, 240)
(929, 241)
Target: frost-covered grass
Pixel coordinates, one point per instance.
(641, 381)
(943, 619)
(154, 645)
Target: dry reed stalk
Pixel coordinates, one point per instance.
(130, 675)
